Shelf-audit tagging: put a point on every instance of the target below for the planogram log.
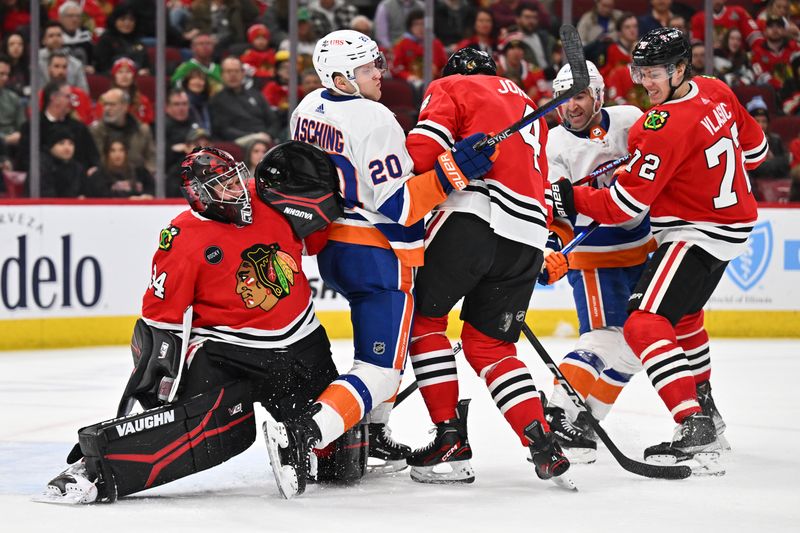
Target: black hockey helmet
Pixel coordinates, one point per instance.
(215, 185)
(470, 61)
(662, 46)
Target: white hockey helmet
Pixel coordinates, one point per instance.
(597, 86)
(341, 52)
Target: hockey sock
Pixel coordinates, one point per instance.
(507, 378)
(345, 402)
(606, 391)
(693, 338)
(652, 339)
(582, 368)
(434, 367)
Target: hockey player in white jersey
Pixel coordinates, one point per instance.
(372, 249)
(603, 270)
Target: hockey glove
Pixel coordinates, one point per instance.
(456, 167)
(563, 198)
(554, 268)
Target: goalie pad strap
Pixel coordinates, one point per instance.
(136, 452)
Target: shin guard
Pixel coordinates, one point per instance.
(148, 449)
(434, 367)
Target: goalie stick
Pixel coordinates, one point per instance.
(631, 465)
(573, 49)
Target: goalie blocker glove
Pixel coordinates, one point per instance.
(455, 168)
(563, 198)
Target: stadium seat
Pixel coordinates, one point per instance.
(406, 117)
(172, 54)
(98, 84)
(230, 147)
(787, 127)
(397, 93)
(746, 92)
(147, 86)
(773, 190)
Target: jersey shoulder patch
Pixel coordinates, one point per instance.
(655, 119)
(167, 237)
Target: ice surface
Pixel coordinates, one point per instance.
(47, 395)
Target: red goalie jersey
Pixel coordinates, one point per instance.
(511, 196)
(689, 166)
(246, 283)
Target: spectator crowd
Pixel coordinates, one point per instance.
(228, 73)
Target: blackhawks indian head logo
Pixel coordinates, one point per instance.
(265, 275)
(655, 119)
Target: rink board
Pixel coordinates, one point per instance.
(73, 274)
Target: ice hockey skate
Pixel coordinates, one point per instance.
(573, 440)
(388, 456)
(710, 409)
(289, 446)
(547, 457)
(446, 459)
(72, 486)
(694, 444)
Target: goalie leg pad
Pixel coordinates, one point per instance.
(129, 454)
(345, 459)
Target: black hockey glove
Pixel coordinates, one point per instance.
(563, 198)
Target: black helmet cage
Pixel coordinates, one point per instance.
(470, 61)
(215, 185)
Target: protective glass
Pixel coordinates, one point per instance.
(651, 73)
(369, 70)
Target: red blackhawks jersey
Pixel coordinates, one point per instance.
(689, 165)
(511, 196)
(245, 283)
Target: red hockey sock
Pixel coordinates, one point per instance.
(508, 380)
(693, 339)
(652, 339)
(434, 367)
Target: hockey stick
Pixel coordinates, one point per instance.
(408, 391)
(631, 465)
(573, 49)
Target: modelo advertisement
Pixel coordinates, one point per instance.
(93, 259)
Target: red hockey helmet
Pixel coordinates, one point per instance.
(215, 185)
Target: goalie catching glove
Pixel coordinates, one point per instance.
(455, 168)
(300, 182)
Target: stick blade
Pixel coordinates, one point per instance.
(573, 49)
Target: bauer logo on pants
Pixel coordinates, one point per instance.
(748, 269)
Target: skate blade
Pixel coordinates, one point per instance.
(444, 473)
(580, 456)
(70, 498)
(285, 475)
(380, 466)
(724, 444)
(702, 463)
(564, 482)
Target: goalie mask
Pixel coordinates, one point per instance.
(301, 182)
(563, 82)
(215, 186)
